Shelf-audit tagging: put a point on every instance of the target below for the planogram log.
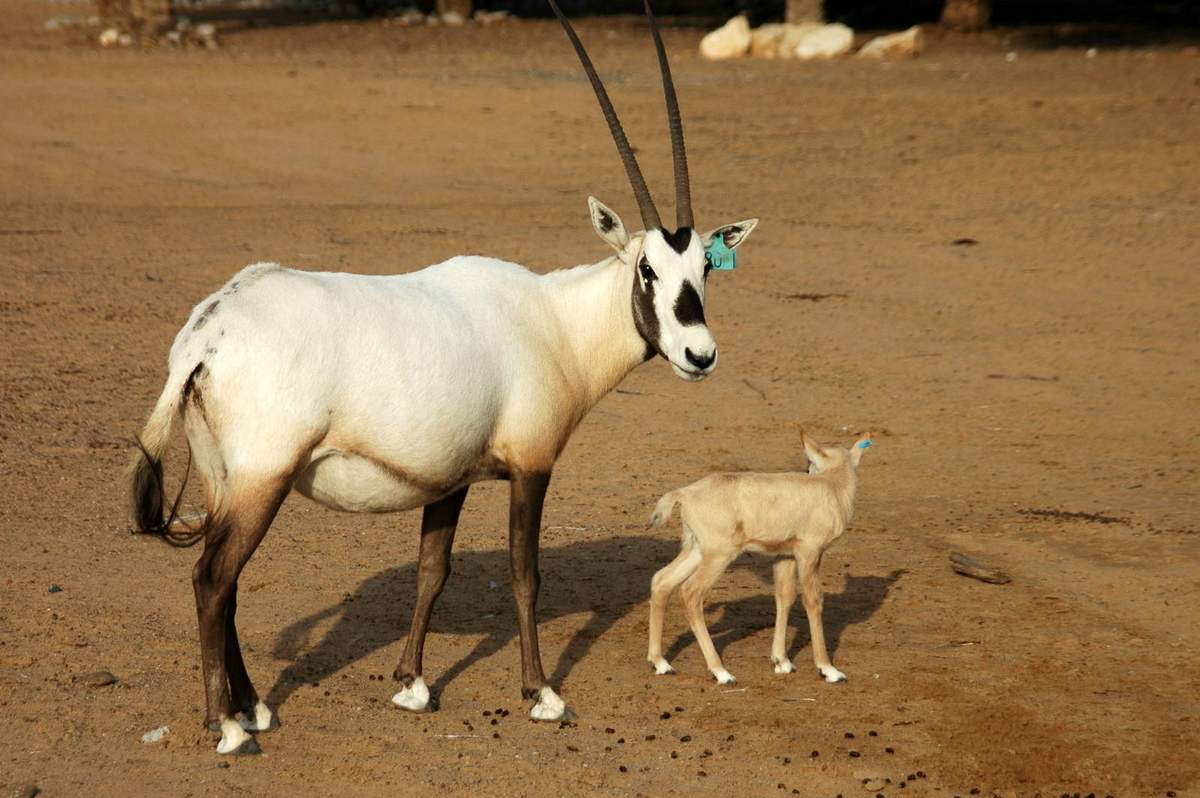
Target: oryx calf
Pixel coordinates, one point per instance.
(794, 515)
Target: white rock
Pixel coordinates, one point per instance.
(125, 40)
(792, 34)
(764, 40)
(154, 735)
(906, 44)
(453, 19)
(731, 40)
(109, 37)
(491, 17)
(827, 41)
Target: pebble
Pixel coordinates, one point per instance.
(96, 679)
(154, 735)
(28, 791)
(54, 589)
(222, 765)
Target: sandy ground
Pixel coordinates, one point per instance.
(1035, 392)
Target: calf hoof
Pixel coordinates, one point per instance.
(662, 667)
(784, 666)
(236, 741)
(831, 674)
(724, 677)
(415, 697)
(550, 707)
(259, 718)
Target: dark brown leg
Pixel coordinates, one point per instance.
(242, 695)
(525, 526)
(229, 543)
(438, 525)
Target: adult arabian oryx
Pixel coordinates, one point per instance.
(379, 394)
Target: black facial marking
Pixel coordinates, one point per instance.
(644, 317)
(679, 240)
(688, 307)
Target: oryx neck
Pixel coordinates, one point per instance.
(594, 313)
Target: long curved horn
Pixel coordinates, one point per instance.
(683, 187)
(649, 213)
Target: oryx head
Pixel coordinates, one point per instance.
(670, 267)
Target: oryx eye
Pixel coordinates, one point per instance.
(647, 273)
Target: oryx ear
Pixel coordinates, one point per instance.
(734, 233)
(608, 225)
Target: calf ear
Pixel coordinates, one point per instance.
(608, 225)
(860, 446)
(811, 450)
(734, 234)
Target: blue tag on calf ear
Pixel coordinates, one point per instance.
(864, 444)
(719, 256)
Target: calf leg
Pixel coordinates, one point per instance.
(232, 536)
(694, 589)
(528, 492)
(662, 585)
(810, 588)
(785, 596)
(438, 524)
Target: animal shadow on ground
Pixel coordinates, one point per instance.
(601, 579)
(856, 602)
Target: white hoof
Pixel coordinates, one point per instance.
(831, 674)
(784, 666)
(724, 677)
(259, 719)
(235, 739)
(662, 667)
(549, 706)
(414, 698)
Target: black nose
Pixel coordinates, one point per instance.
(700, 361)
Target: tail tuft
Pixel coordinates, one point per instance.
(664, 508)
(147, 499)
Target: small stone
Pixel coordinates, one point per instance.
(906, 44)
(854, 754)
(154, 735)
(827, 41)
(764, 40)
(55, 588)
(491, 17)
(107, 38)
(731, 40)
(453, 19)
(96, 679)
(28, 791)
(665, 716)
(223, 765)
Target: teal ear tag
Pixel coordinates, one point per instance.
(719, 256)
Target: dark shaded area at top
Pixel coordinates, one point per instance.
(856, 13)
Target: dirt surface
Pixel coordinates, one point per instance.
(1035, 386)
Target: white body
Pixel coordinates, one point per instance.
(399, 389)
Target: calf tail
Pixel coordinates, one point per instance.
(664, 508)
